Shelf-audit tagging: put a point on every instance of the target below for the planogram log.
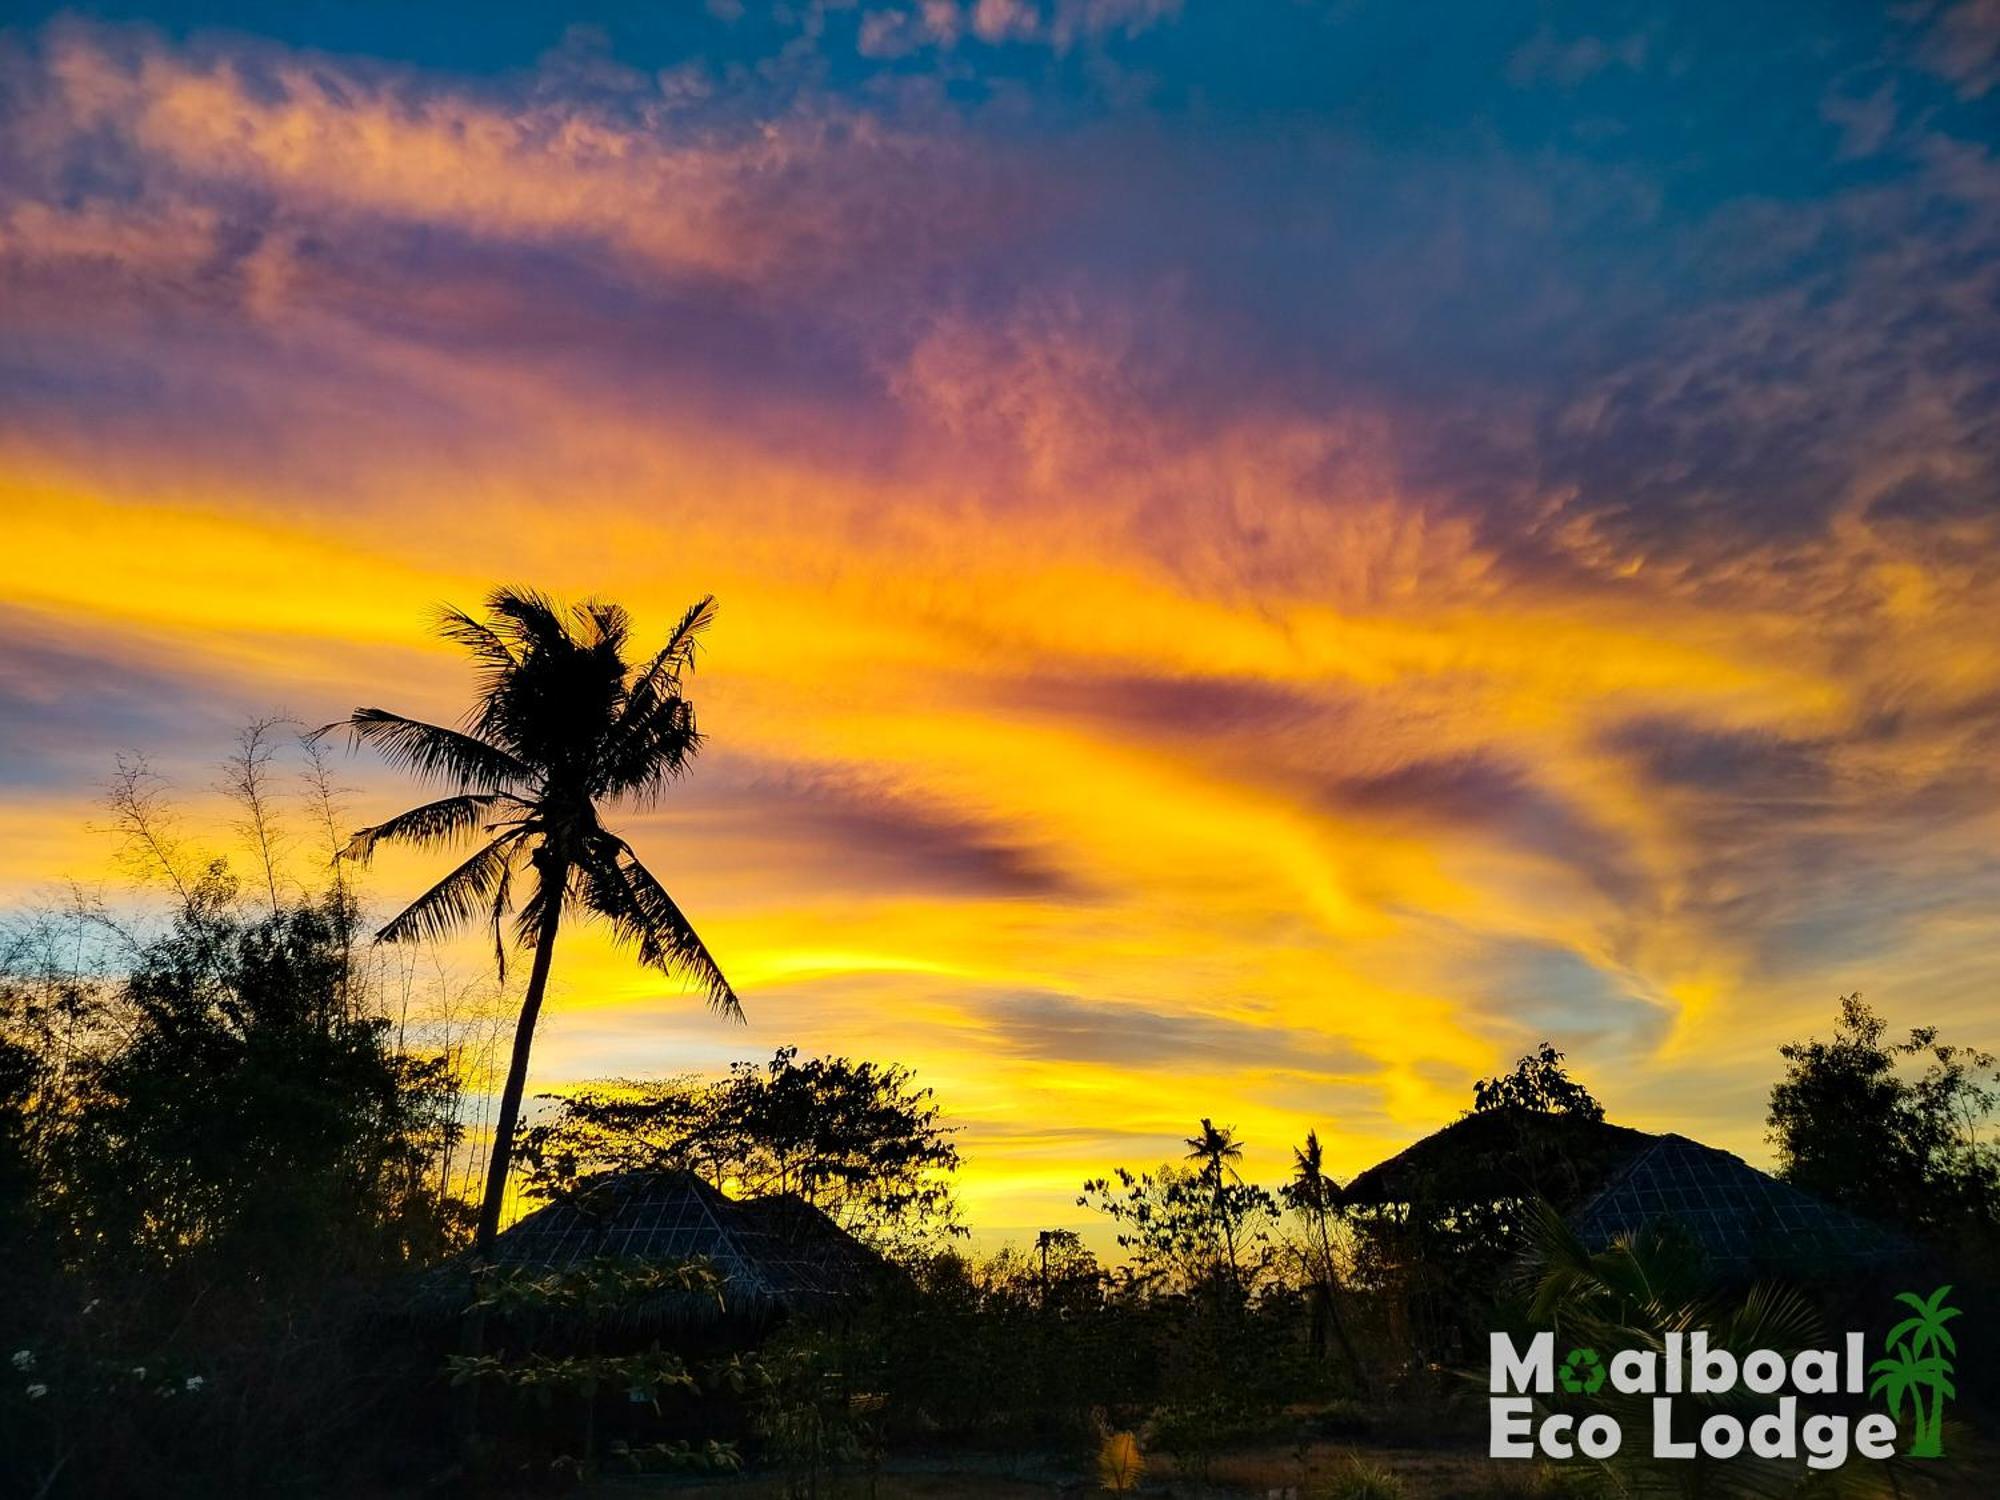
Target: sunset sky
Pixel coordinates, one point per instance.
(1271, 556)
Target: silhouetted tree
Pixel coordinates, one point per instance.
(213, 1159)
(1065, 1269)
(20, 1073)
(1189, 1228)
(1850, 1126)
(1539, 1084)
(1314, 1199)
(858, 1140)
(1217, 1151)
(563, 726)
(245, 1119)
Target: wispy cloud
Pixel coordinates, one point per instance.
(1273, 552)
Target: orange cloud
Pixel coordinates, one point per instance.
(1086, 695)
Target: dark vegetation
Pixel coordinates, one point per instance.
(1853, 1124)
(243, 1152)
(229, 1184)
(562, 728)
(224, 1165)
(860, 1141)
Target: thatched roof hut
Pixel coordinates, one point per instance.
(1608, 1180)
(1742, 1218)
(1501, 1153)
(772, 1252)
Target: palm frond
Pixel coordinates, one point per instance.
(433, 752)
(531, 617)
(1306, 1159)
(615, 886)
(503, 898)
(443, 822)
(1774, 1316)
(456, 899)
(661, 677)
(1562, 1265)
(609, 625)
(556, 706)
(646, 754)
(477, 637)
(655, 734)
(494, 658)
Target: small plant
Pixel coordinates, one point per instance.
(584, 1296)
(1194, 1433)
(1358, 1478)
(1120, 1464)
(803, 1401)
(710, 1458)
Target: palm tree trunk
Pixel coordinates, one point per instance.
(472, 1335)
(501, 1157)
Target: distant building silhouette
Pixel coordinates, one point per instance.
(776, 1251)
(1608, 1180)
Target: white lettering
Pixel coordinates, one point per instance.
(1764, 1371)
(1775, 1435)
(1510, 1423)
(1722, 1436)
(1714, 1370)
(1875, 1436)
(1552, 1436)
(1599, 1436)
(1632, 1372)
(1533, 1372)
(1689, 1363)
(1826, 1442)
(1816, 1373)
(1664, 1445)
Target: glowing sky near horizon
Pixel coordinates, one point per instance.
(1270, 557)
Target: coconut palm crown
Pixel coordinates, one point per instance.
(1218, 1151)
(563, 726)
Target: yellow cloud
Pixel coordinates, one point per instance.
(1296, 747)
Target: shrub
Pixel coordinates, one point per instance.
(1358, 1478)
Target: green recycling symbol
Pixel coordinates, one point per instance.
(1582, 1374)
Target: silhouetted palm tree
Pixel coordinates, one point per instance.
(563, 726)
(1315, 1197)
(1218, 1151)
(1311, 1189)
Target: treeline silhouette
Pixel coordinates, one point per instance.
(221, 1162)
(237, 1154)
(253, 1164)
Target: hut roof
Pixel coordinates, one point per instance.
(1498, 1153)
(1742, 1218)
(778, 1249)
(1608, 1180)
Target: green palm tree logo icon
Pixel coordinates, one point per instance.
(1919, 1365)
